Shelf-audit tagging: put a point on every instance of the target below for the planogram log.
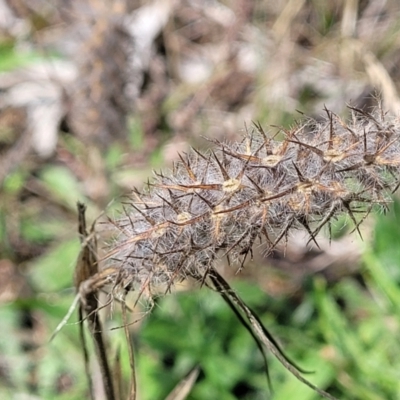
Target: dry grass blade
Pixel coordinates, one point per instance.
(66, 318)
(260, 331)
(85, 352)
(245, 324)
(86, 268)
(117, 374)
(132, 392)
(183, 388)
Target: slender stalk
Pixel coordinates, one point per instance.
(87, 267)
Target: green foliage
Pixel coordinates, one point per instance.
(53, 271)
(135, 134)
(15, 181)
(62, 185)
(11, 59)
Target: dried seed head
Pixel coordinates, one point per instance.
(259, 188)
(183, 217)
(272, 160)
(231, 185)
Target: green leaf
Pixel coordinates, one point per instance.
(54, 270)
(11, 59)
(15, 181)
(62, 184)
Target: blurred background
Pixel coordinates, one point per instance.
(95, 94)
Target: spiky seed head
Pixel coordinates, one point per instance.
(224, 201)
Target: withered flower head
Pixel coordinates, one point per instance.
(256, 190)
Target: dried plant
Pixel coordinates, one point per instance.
(224, 202)
(221, 203)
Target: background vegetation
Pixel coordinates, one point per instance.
(94, 95)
